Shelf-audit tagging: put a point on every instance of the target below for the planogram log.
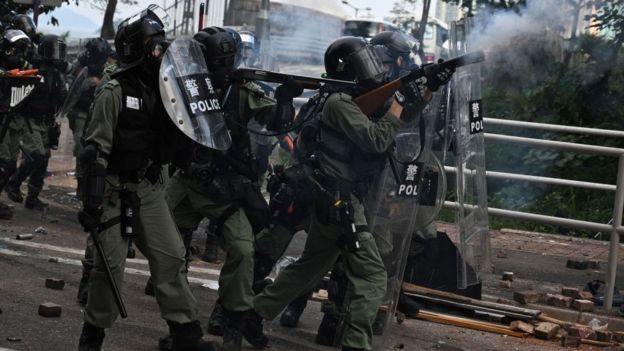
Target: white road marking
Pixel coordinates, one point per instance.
(206, 283)
(3, 349)
(72, 251)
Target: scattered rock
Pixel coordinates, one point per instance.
(501, 254)
(505, 284)
(583, 305)
(546, 330)
(13, 339)
(24, 236)
(570, 341)
(49, 309)
(41, 230)
(604, 336)
(56, 284)
(508, 276)
(527, 296)
(522, 326)
(582, 331)
(584, 295)
(569, 291)
(577, 264)
(558, 300)
(594, 264)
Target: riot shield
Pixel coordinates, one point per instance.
(469, 161)
(189, 97)
(14, 91)
(73, 95)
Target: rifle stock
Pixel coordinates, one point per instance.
(374, 99)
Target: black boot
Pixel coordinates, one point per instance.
(34, 203)
(252, 330)
(290, 316)
(349, 348)
(232, 331)
(408, 306)
(327, 330)
(188, 337)
(91, 338)
(6, 212)
(83, 286)
(216, 320)
(35, 184)
(13, 192)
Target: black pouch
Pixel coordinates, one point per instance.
(130, 213)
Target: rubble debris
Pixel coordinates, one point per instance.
(504, 301)
(546, 330)
(577, 264)
(505, 284)
(618, 336)
(558, 300)
(582, 331)
(24, 236)
(569, 291)
(13, 339)
(508, 276)
(527, 296)
(583, 305)
(584, 295)
(604, 336)
(570, 341)
(501, 254)
(53, 259)
(596, 324)
(522, 326)
(56, 284)
(594, 264)
(49, 309)
(41, 230)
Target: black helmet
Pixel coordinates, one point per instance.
(219, 47)
(238, 60)
(13, 47)
(95, 53)
(133, 32)
(52, 48)
(399, 45)
(351, 58)
(25, 24)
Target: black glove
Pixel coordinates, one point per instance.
(437, 75)
(288, 91)
(410, 92)
(89, 219)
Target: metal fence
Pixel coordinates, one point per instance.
(614, 227)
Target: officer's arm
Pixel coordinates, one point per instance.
(256, 104)
(106, 109)
(342, 114)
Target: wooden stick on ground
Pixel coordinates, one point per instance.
(468, 323)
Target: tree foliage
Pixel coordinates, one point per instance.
(611, 18)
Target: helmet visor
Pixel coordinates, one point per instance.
(367, 64)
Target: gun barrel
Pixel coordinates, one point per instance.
(466, 59)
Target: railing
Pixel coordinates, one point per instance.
(181, 18)
(614, 226)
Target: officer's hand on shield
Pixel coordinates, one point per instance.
(437, 75)
(287, 91)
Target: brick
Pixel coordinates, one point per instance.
(546, 330)
(569, 292)
(505, 284)
(56, 284)
(583, 305)
(584, 295)
(558, 300)
(604, 336)
(522, 326)
(582, 331)
(618, 336)
(49, 309)
(504, 301)
(508, 276)
(570, 341)
(501, 254)
(527, 296)
(577, 264)
(594, 264)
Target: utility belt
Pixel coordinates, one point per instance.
(334, 206)
(129, 218)
(152, 173)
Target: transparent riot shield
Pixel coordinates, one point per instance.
(73, 95)
(189, 97)
(466, 118)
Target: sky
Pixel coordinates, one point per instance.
(85, 21)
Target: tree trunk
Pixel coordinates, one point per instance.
(420, 34)
(108, 29)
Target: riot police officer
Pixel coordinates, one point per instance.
(353, 148)
(223, 185)
(13, 47)
(43, 132)
(127, 143)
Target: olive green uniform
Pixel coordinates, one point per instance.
(364, 267)
(190, 203)
(157, 236)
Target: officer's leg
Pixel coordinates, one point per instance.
(37, 176)
(160, 242)
(333, 307)
(8, 161)
(101, 309)
(87, 266)
(367, 275)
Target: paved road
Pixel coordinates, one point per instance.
(24, 266)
